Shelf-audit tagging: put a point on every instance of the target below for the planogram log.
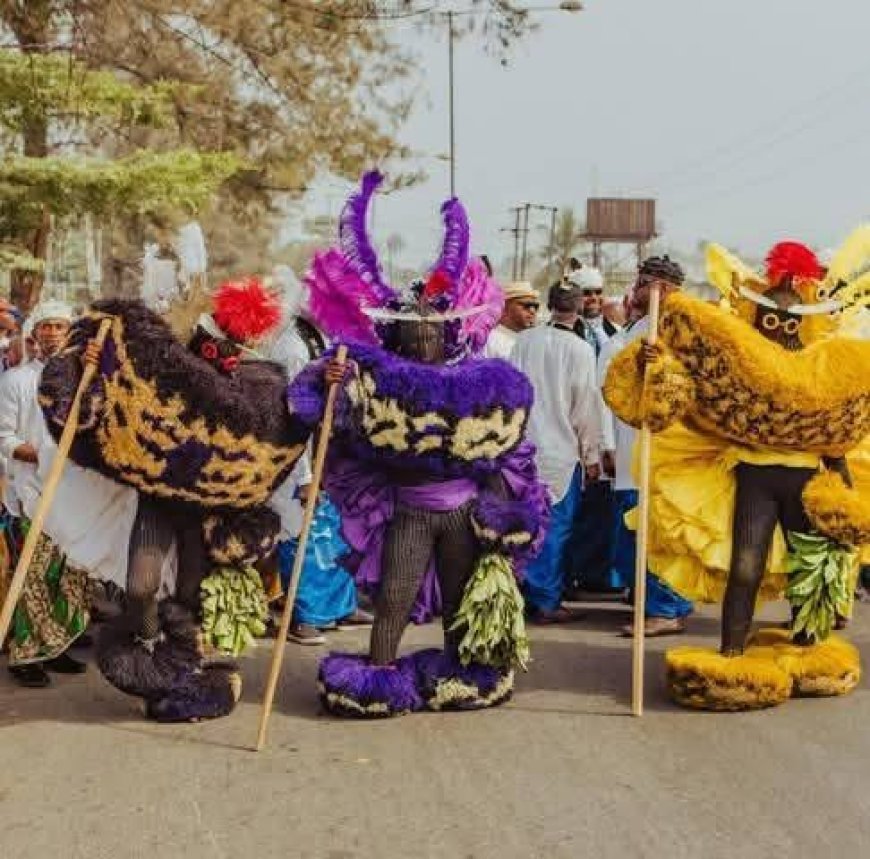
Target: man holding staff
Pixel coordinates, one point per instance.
(53, 609)
(666, 611)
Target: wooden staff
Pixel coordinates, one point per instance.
(310, 505)
(49, 490)
(640, 566)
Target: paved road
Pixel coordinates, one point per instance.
(560, 772)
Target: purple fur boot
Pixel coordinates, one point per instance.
(445, 684)
(150, 669)
(169, 673)
(349, 685)
(206, 694)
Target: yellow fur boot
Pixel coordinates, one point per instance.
(831, 667)
(704, 679)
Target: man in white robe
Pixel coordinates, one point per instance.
(52, 610)
(565, 426)
(666, 611)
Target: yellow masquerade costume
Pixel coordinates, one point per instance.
(722, 394)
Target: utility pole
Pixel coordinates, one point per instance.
(515, 271)
(526, 208)
(450, 16)
(551, 254)
(522, 228)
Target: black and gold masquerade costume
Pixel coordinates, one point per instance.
(204, 438)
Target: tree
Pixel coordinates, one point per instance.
(570, 236)
(49, 106)
(291, 88)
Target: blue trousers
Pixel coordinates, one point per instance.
(661, 600)
(327, 593)
(545, 575)
(590, 560)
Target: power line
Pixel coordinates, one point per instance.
(750, 142)
(772, 175)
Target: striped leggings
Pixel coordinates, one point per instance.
(154, 530)
(767, 495)
(413, 537)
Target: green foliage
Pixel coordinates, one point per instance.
(234, 609)
(295, 89)
(56, 87)
(15, 258)
(144, 182)
(818, 583)
(492, 612)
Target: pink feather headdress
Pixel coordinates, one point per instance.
(351, 300)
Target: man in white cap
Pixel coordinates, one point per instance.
(521, 304)
(565, 426)
(592, 326)
(53, 609)
(589, 563)
(666, 611)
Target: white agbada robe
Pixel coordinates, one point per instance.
(565, 423)
(289, 350)
(618, 435)
(500, 343)
(91, 516)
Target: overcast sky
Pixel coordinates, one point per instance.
(749, 120)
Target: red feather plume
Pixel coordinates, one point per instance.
(245, 310)
(792, 259)
(438, 283)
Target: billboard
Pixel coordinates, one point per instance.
(615, 219)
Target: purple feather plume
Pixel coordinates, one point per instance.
(454, 251)
(354, 238)
(337, 296)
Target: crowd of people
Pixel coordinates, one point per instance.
(584, 450)
(483, 447)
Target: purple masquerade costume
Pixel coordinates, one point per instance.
(428, 464)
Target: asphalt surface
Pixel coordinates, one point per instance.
(562, 771)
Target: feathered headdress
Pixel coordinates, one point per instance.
(243, 311)
(848, 276)
(792, 261)
(351, 300)
(291, 290)
(787, 263)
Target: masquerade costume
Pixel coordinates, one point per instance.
(755, 405)
(429, 469)
(204, 438)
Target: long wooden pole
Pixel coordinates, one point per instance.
(639, 641)
(310, 506)
(49, 490)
